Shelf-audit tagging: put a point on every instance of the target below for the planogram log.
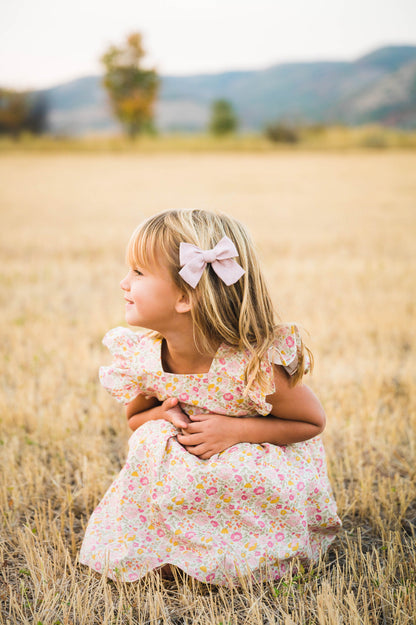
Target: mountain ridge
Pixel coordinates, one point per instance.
(378, 87)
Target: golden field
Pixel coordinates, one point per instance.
(337, 235)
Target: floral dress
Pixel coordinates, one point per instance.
(247, 510)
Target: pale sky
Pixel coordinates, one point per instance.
(48, 42)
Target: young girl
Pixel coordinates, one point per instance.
(225, 474)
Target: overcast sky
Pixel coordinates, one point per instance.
(47, 42)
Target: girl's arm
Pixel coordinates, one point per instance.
(142, 409)
(296, 416)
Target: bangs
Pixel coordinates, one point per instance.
(153, 245)
(141, 249)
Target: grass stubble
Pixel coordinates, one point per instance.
(336, 234)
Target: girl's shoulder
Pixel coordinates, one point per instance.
(124, 342)
(130, 352)
(287, 347)
(284, 350)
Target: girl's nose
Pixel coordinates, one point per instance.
(124, 283)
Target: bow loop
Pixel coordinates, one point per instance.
(193, 261)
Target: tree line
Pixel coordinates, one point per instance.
(132, 90)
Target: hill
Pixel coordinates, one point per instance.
(379, 87)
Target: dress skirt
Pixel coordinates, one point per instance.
(248, 510)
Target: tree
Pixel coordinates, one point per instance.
(223, 118)
(132, 89)
(22, 111)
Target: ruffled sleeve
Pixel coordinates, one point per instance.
(286, 349)
(122, 378)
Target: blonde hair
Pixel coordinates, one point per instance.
(240, 315)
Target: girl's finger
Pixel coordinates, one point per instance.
(193, 428)
(191, 440)
(200, 417)
(196, 450)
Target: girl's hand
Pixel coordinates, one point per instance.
(208, 434)
(172, 412)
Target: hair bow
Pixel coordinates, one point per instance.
(193, 261)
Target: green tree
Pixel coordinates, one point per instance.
(132, 89)
(223, 118)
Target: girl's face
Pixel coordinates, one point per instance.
(153, 301)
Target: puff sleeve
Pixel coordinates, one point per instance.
(122, 378)
(286, 349)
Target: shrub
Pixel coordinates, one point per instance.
(281, 133)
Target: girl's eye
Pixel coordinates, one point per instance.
(138, 272)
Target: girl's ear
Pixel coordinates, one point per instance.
(183, 304)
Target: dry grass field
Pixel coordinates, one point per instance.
(337, 234)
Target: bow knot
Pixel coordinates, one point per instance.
(209, 256)
(193, 261)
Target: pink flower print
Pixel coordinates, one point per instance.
(279, 537)
(184, 396)
(259, 490)
(301, 485)
(144, 481)
(195, 389)
(212, 490)
(289, 341)
(190, 477)
(228, 396)
(132, 576)
(160, 533)
(210, 577)
(261, 523)
(236, 536)
(291, 497)
(238, 478)
(142, 518)
(244, 497)
(189, 535)
(318, 517)
(222, 361)
(197, 498)
(97, 566)
(214, 523)
(131, 487)
(270, 544)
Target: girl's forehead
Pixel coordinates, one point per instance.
(147, 257)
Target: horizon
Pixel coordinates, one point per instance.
(231, 70)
